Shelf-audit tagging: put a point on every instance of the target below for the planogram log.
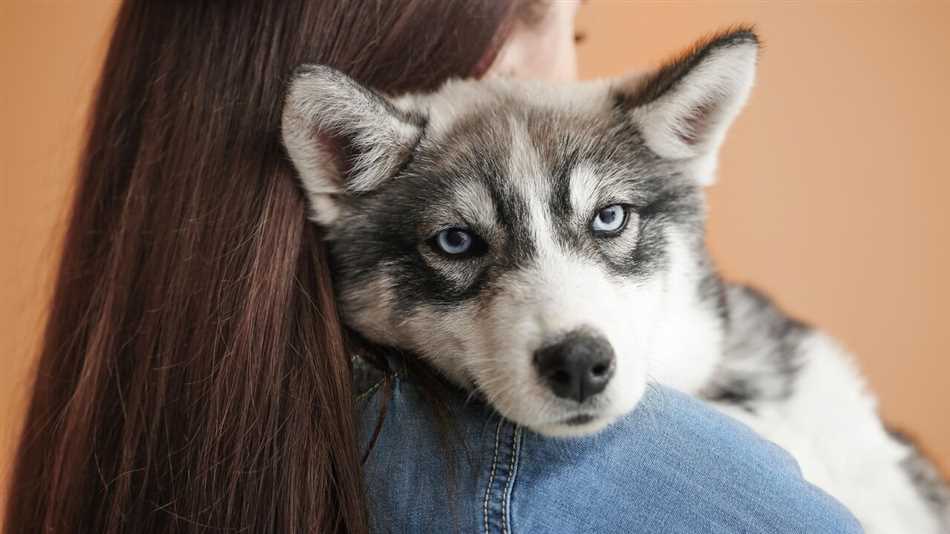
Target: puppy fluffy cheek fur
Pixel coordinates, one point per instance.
(526, 314)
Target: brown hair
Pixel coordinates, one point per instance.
(194, 373)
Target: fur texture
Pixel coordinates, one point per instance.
(524, 170)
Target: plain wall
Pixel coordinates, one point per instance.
(831, 190)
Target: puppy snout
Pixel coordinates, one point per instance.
(577, 367)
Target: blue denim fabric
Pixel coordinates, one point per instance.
(673, 465)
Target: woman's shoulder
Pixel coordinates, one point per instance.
(673, 465)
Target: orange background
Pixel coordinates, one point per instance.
(831, 192)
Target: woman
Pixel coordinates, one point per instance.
(195, 375)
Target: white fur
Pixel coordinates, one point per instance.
(830, 425)
(687, 336)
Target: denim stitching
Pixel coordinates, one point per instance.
(491, 477)
(512, 472)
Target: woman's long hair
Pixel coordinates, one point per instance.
(194, 374)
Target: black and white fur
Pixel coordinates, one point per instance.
(525, 167)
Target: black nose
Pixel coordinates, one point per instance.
(577, 367)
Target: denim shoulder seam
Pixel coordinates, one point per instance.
(516, 440)
(500, 479)
(491, 477)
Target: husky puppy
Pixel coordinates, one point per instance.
(544, 246)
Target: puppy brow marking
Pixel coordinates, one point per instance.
(516, 438)
(475, 204)
(583, 190)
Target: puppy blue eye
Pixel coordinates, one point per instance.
(610, 220)
(454, 241)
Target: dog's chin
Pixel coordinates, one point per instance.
(576, 426)
(569, 421)
(585, 422)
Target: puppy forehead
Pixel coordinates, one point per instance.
(500, 157)
(502, 140)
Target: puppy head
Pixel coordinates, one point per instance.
(540, 244)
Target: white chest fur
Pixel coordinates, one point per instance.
(830, 425)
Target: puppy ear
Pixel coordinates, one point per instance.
(684, 108)
(343, 138)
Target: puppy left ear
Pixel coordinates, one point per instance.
(684, 108)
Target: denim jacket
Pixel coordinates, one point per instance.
(672, 465)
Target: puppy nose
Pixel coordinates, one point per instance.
(576, 367)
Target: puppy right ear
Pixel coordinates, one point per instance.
(344, 139)
(684, 108)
